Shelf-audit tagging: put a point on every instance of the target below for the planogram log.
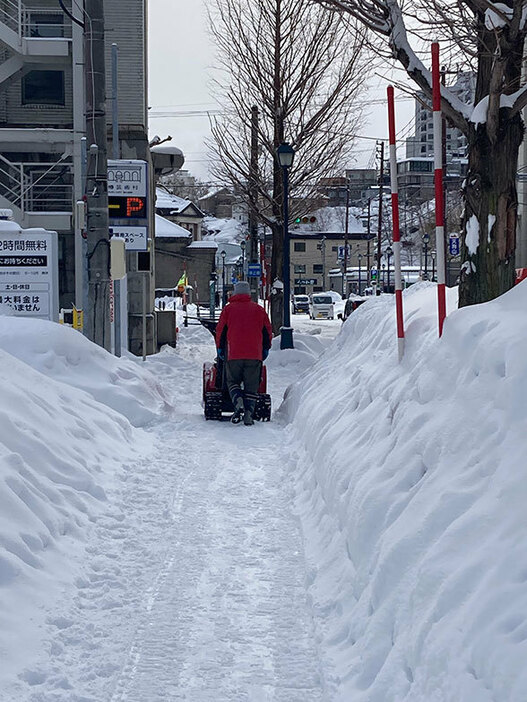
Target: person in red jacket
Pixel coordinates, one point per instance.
(243, 339)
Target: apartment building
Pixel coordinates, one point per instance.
(315, 254)
(42, 125)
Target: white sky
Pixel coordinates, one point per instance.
(181, 55)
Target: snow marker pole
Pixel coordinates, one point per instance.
(438, 180)
(395, 224)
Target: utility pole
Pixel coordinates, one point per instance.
(368, 276)
(253, 201)
(323, 250)
(379, 227)
(346, 235)
(97, 325)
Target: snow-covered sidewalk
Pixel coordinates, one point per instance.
(195, 583)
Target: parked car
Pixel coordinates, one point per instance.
(300, 303)
(351, 305)
(321, 306)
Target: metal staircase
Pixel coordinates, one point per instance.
(40, 194)
(23, 33)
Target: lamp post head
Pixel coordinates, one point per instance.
(285, 155)
(242, 244)
(223, 254)
(426, 238)
(389, 251)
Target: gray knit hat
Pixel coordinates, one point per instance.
(242, 287)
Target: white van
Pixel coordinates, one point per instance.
(321, 306)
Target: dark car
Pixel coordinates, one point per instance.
(300, 303)
(351, 305)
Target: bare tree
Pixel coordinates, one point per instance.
(489, 38)
(299, 66)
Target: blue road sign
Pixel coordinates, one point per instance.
(453, 244)
(254, 270)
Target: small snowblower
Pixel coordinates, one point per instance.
(216, 398)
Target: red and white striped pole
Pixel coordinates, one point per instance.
(438, 180)
(395, 224)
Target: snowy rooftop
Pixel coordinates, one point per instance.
(165, 201)
(203, 245)
(166, 228)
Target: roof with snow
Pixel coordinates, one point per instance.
(203, 245)
(174, 205)
(167, 229)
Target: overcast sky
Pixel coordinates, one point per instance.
(180, 58)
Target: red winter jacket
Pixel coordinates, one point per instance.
(244, 328)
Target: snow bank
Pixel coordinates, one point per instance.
(412, 486)
(63, 354)
(59, 450)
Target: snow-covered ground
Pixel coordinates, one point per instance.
(366, 545)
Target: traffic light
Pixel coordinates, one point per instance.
(305, 220)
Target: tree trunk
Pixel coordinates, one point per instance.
(489, 221)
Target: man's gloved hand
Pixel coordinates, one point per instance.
(221, 354)
(265, 354)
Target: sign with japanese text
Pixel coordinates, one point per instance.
(305, 281)
(135, 238)
(128, 202)
(341, 254)
(254, 270)
(453, 244)
(127, 178)
(29, 273)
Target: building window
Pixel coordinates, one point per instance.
(318, 268)
(335, 249)
(300, 246)
(318, 288)
(300, 269)
(43, 88)
(46, 24)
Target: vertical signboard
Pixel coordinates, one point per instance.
(128, 202)
(29, 273)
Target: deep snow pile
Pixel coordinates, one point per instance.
(65, 355)
(412, 486)
(63, 446)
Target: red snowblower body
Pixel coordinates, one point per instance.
(216, 398)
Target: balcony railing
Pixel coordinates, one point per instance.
(30, 23)
(37, 187)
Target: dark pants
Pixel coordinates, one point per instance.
(246, 373)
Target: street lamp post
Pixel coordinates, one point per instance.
(426, 241)
(360, 259)
(285, 155)
(433, 257)
(242, 244)
(223, 290)
(383, 277)
(389, 254)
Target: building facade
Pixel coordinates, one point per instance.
(315, 255)
(42, 125)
